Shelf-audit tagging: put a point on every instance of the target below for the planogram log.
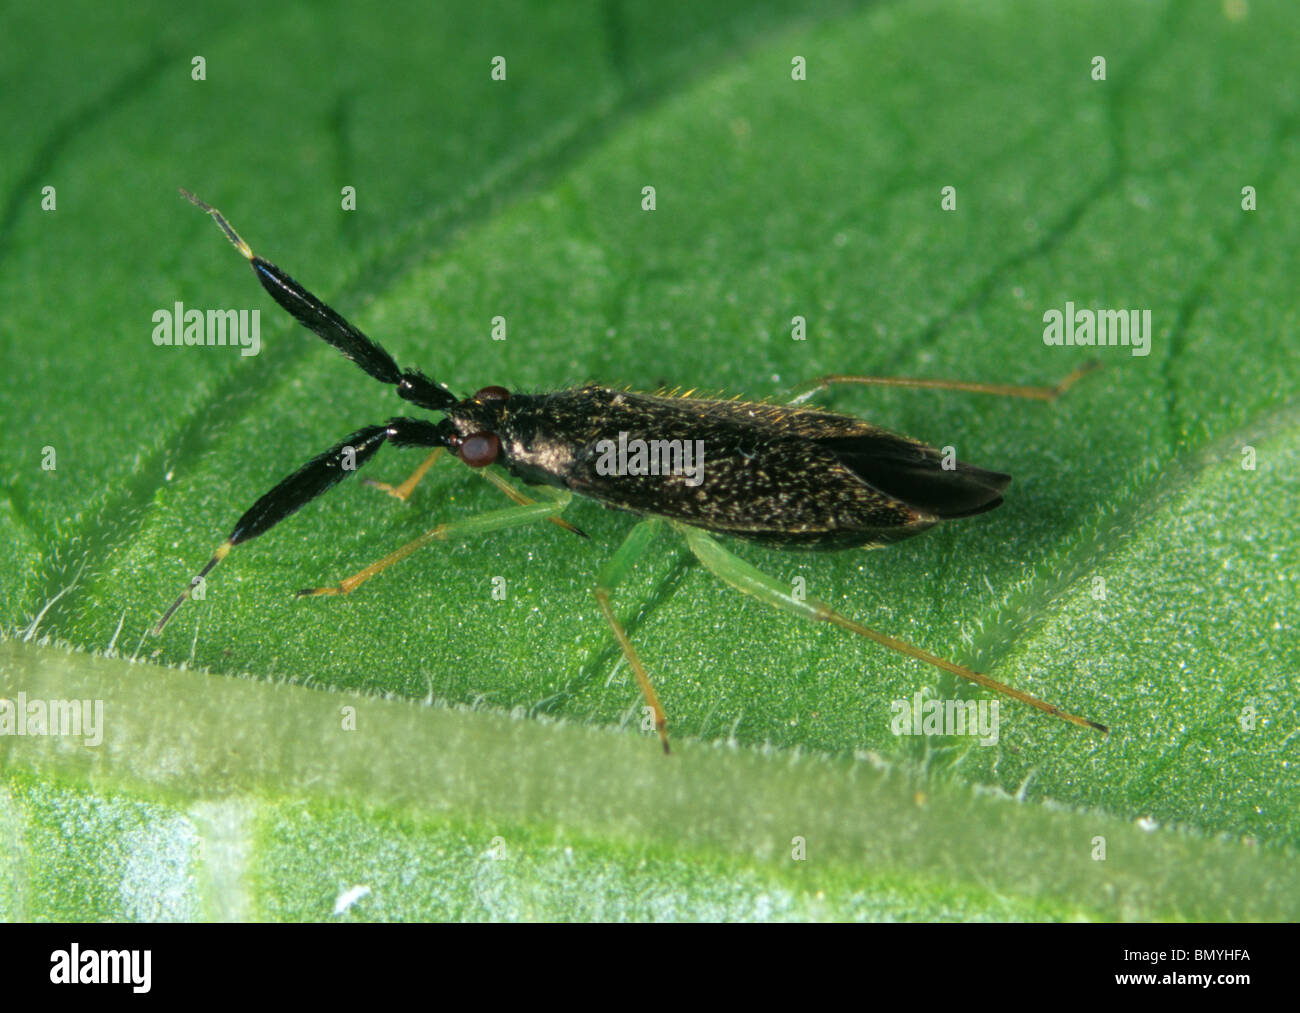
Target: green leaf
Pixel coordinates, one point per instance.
(1138, 573)
(264, 803)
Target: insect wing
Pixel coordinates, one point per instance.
(920, 476)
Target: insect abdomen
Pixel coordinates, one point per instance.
(770, 473)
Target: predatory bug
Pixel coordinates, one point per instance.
(778, 474)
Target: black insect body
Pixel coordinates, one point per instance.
(779, 474)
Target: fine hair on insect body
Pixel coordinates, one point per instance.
(779, 474)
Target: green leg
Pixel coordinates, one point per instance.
(801, 394)
(744, 577)
(610, 575)
(403, 491)
(494, 520)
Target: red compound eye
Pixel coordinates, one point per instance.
(492, 394)
(480, 450)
